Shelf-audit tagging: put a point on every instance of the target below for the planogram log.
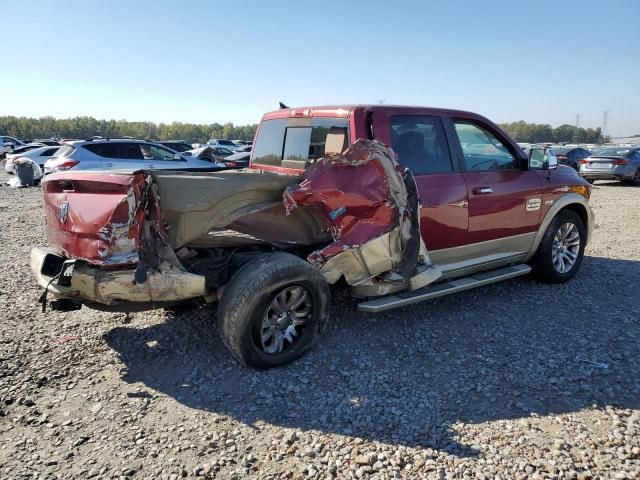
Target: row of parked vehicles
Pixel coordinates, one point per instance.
(99, 153)
(598, 162)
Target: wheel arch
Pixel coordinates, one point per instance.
(573, 202)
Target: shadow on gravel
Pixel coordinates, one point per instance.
(407, 376)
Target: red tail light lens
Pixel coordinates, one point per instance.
(561, 157)
(620, 162)
(63, 165)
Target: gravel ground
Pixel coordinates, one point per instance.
(512, 381)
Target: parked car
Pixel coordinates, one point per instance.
(239, 239)
(47, 141)
(179, 146)
(570, 156)
(7, 144)
(121, 154)
(219, 142)
(40, 155)
(211, 153)
(23, 149)
(237, 160)
(612, 163)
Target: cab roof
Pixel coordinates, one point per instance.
(344, 111)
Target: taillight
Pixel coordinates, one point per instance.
(584, 161)
(561, 157)
(63, 165)
(620, 162)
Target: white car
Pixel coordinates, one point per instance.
(39, 155)
(7, 144)
(122, 154)
(219, 142)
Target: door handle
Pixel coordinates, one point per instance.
(482, 190)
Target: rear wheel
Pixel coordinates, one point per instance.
(635, 181)
(561, 250)
(273, 310)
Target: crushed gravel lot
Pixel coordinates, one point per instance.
(516, 380)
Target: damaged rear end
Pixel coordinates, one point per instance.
(107, 246)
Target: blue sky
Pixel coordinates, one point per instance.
(209, 61)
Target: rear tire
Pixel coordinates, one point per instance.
(558, 258)
(279, 297)
(635, 181)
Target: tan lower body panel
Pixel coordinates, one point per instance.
(167, 284)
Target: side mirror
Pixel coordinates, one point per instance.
(542, 159)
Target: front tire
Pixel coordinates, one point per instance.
(273, 310)
(560, 252)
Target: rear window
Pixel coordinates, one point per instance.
(305, 143)
(612, 151)
(65, 151)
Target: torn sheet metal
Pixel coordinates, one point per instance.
(94, 217)
(373, 207)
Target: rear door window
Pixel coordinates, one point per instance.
(420, 143)
(107, 150)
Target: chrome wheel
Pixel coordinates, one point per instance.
(285, 318)
(566, 247)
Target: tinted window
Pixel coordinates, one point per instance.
(308, 143)
(49, 152)
(269, 143)
(482, 150)
(420, 143)
(65, 151)
(154, 152)
(276, 141)
(108, 150)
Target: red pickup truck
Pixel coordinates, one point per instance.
(483, 210)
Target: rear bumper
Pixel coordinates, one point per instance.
(601, 176)
(90, 285)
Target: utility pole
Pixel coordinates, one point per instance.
(576, 132)
(605, 125)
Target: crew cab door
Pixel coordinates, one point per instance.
(505, 199)
(422, 146)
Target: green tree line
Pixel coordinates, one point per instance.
(86, 127)
(522, 131)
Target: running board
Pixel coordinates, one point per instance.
(401, 299)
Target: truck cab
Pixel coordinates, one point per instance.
(482, 203)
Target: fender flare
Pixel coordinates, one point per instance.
(560, 204)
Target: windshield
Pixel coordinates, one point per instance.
(612, 151)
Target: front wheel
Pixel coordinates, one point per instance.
(273, 310)
(561, 250)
